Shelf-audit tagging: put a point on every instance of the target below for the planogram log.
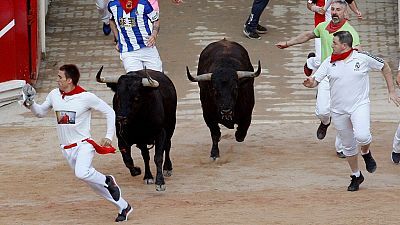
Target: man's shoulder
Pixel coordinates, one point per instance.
(348, 26)
(323, 25)
(368, 55)
(55, 91)
(113, 3)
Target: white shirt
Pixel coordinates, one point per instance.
(348, 80)
(73, 114)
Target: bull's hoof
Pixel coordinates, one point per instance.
(135, 171)
(214, 158)
(160, 187)
(239, 137)
(167, 173)
(148, 181)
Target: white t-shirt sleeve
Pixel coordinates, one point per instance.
(322, 71)
(101, 106)
(399, 66)
(374, 62)
(40, 110)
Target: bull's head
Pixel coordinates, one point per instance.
(130, 91)
(224, 85)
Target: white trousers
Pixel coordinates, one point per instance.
(353, 129)
(80, 160)
(103, 11)
(314, 62)
(147, 57)
(396, 140)
(323, 104)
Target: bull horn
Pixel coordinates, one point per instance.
(243, 74)
(201, 77)
(149, 82)
(105, 79)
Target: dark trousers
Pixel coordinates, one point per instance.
(256, 11)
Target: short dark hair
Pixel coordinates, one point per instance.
(71, 71)
(344, 37)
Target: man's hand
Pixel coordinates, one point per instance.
(28, 95)
(105, 142)
(359, 15)
(394, 98)
(398, 79)
(310, 82)
(282, 44)
(152, 40)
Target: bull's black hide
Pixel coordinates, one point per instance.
(226, 80)
(145, 106)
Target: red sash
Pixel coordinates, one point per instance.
(99, 149)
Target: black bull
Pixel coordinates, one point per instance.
(145, 107)
(226, 80)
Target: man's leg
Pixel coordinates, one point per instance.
(360, 119)
(339, 147)
(322, 108)
(131, 61)
(151, 58)
(251, 26)
(345, 131)
(396, 146)
(105, 186)
(104, 15)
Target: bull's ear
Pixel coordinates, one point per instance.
(113, 86)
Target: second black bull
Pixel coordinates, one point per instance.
(226, 80)
(145, 107)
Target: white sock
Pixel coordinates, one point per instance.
(362, 153)
(357, 174)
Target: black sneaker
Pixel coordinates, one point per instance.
(340, 155)
(355, 182)
(395, 157)
(113, 188)
(261, 29)
(106, 29)
(123, 216)
(308, 71)
(370, 163)
(321, 131)
(251, 34)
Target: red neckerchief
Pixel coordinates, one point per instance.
(78, 89)
(342, 56)
(128, 5)
(332, 28)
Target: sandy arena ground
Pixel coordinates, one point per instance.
(281, 174)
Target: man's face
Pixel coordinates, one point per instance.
(337, 46)
(63, 82)
(337, 12)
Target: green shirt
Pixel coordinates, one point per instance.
(327, 38)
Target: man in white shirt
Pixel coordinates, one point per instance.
(73, 107)
(347, 70)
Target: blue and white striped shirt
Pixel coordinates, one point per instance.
(134, 28)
